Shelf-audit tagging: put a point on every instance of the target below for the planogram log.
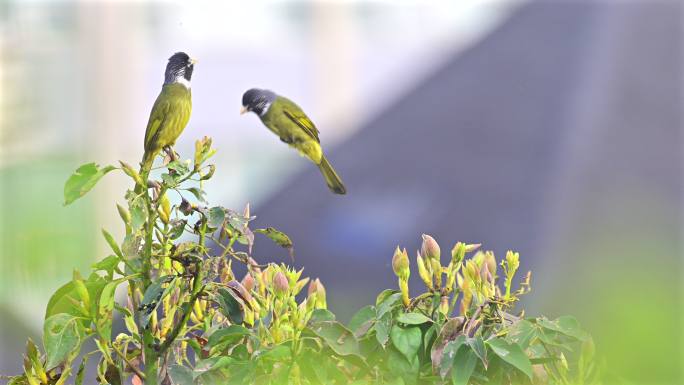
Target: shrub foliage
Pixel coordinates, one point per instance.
(189, 320)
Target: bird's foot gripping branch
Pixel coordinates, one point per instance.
(188, 320)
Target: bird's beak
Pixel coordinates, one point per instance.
(243, 110)
(193, 61)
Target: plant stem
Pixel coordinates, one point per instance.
(130, 364)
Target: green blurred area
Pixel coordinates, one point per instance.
(41, 240)
(621, 276)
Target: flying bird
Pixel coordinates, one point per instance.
(287, 120)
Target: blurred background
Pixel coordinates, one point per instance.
(550, 128)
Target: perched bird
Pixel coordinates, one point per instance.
(282, 116)
(171, 110)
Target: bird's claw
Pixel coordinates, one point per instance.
(171, 154)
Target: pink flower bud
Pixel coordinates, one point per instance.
(248, 282)
(280, 284)
(430, 248)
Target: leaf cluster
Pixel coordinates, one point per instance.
(189, 320)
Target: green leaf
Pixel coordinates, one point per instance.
(387, 304)
(198, 193)
(402, 367)
(406, 340)
(430, 336)
(230, 306)
(512, 354)
(17, 380)
(177, 228)
(137, 210)
(383, 296)
(83, 180)
(450, 331)
(153, 295)
(565, 325)
(464, 365)
(279, 353)
(61, 337)
(448, 355)
(169, 180)
(105, 307)
(203, 367)
(112, 243)
(227, 335)
(478, 346)
(320, 315)
(340, 339)
(216, 216)
(109, 264)
(280, 238)
(178, 166)
(413, 318)
(62, 300)
(366, 314)
(180, 375)
(522, 333)
(382, 330)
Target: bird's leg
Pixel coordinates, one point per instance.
(171, 153)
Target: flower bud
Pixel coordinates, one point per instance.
(430, 248)
(130, 171)
(513, 260)
(248, 282)
(316, 292)
(436, 271)
(82, 293)
(490, 261)
(457, 253)
(485, 274)
(124, 214)
(423, 272)
(472, 247)
(165, 209)
(202, 151)
(400, 264)
(280, 284)
(471, 271)
(444, 305)
(175, 296)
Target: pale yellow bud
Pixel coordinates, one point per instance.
(400, 264)
(423, 272)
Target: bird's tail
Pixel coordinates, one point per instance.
(145, 167)
(331, 178)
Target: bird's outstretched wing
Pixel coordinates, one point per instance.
(298, 116)
(160, 111)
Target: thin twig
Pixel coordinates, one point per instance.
(130, 364)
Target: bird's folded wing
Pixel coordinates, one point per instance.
(157, 116)
(303, 121)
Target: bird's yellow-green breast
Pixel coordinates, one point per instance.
(169, 116)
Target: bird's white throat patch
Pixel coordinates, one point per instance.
(265, 110)
(182, 80)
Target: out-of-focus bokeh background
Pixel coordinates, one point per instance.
(552, 128)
